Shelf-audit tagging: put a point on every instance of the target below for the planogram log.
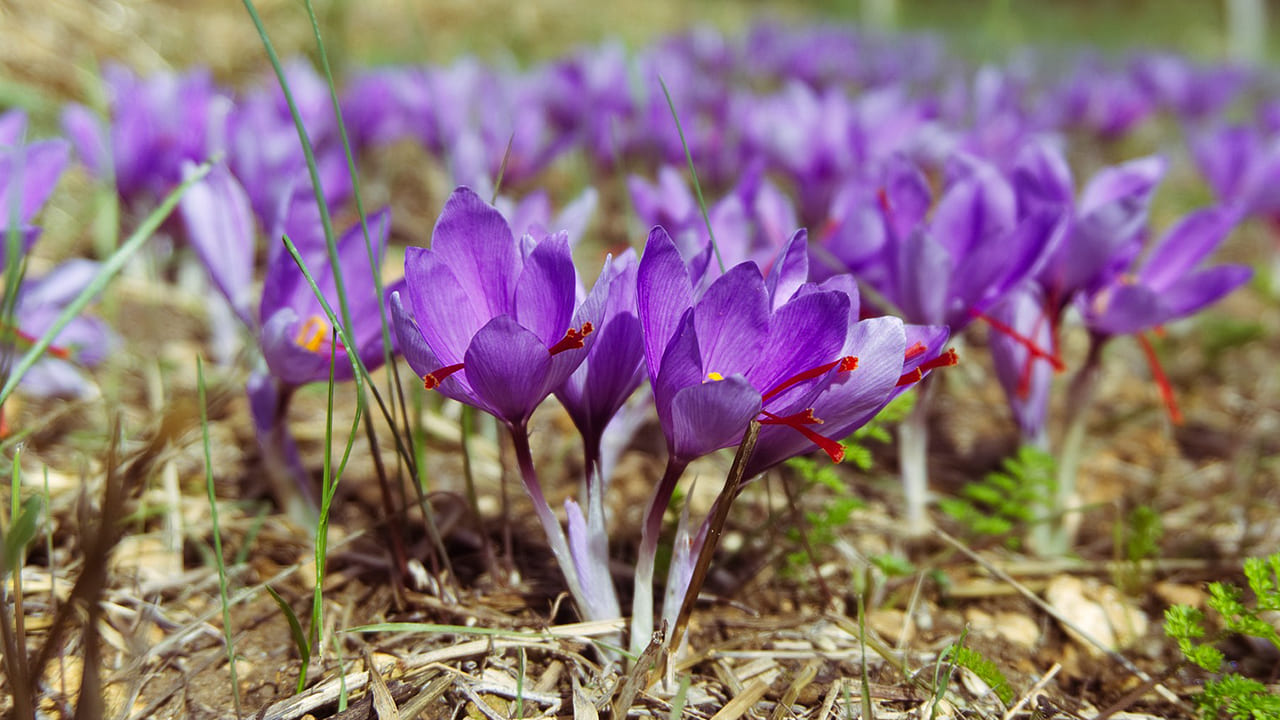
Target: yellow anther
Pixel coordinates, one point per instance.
(713, 375)
(313, 333)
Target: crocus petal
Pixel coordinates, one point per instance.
(807, 332)
(52, 377)
(84, 129)
(545, 290)
(1131, 181)
(681, 368)
(1026, 380)
(663, 294)
(923, 269)
(447, 315)
(976, 209)
(1203, 288)
(60, 285)
(30, 172)
(473, 240)
(711, 415)
(220, 227)
(790, 270)
(1184, 246)
(732, 321)
(507, 366)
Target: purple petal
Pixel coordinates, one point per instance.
(447, 315)
(807, 332)
(790, 270)
(508, 366)
(711, 415)
(474, 241)
(220, 227)
(1184, 246)
(732, 321)
(663, 294)
(1026, 380)
(1200, 289)
(924, 268)
(545, 290)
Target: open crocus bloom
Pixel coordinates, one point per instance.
(490, 322)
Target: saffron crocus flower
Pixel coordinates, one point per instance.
(155, 125)
(1103, 233)
(492, 322)
(83, 342)
(29, 171)
(1169, 284)
(1242, 166)
(614, 366)
(297, 341)
(947, 269)
(774, 348)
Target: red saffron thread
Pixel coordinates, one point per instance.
(1162, 380)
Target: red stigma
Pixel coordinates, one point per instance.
(572, 339)
(799, 422)
(882, 198)
(1162, 380)
(1035, 350)
(432, 380)
(849, 363)
(946, 359)
(914, 352)
(27, 339)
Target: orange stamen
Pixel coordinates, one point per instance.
(849, 363)
(1162, 380)
(313, 334)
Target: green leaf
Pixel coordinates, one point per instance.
(21, 533)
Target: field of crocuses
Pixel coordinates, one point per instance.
(778, 369)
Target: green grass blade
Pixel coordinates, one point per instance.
(693, 175)
(299, 635)
(223, 595)
(108, 270)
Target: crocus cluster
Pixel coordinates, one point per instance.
(29, 171)
(868, 198)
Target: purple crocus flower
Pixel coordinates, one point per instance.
(614, 366)
(1103, 234)
(293, 331)
(156, 125)
(28, 174)
(773, 348)
(83, 342)
(1169, 284)
(1242, 166)
(1024, 351)
(492, 321)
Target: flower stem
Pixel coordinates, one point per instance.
(1057, 533)
(913, 457)
(550, 525)
(650, 529)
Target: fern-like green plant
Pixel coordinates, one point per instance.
(822, 526)
(1239, 697)
(1004, 503)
